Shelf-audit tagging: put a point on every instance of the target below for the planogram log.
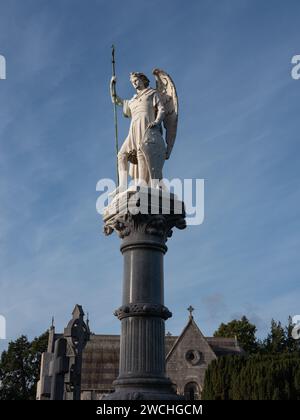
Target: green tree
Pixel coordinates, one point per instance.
(270, 371)
(243, 330)
(254, 377)
(276, 341)
(19, 368)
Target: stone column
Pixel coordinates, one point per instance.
(142, 373)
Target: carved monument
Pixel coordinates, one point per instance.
(142, 372)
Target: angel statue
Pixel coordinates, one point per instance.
(145, 149)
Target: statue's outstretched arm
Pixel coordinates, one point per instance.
(114, 97)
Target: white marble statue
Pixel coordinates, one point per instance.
(146, 147)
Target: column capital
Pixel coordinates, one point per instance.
(159, 212)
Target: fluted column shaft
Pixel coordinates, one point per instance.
(142, 350)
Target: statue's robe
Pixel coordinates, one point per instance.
(143, 109)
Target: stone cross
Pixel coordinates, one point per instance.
(77, 334)
(191, 310)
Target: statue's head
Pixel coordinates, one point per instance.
(139, 78)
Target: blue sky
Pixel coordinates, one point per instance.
(239, 130)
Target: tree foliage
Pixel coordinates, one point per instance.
(19, 368)
(270, 370)
(255, 377)
(243, 330)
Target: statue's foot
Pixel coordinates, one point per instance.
(114, 193)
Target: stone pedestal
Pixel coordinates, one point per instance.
(143, 314)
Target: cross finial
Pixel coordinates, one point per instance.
(191, 310)
(52, 322)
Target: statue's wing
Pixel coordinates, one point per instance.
(167, 91)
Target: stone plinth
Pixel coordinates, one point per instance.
(142, 313)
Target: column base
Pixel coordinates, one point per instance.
(145, 389)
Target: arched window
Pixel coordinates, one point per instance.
(192, 391)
